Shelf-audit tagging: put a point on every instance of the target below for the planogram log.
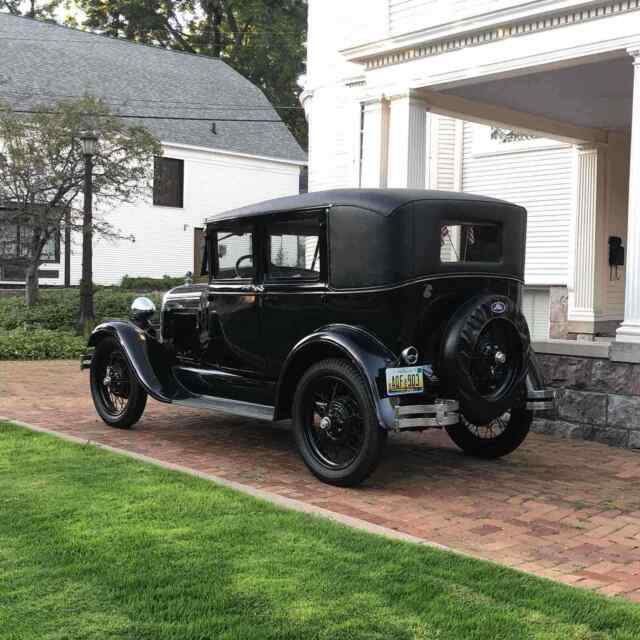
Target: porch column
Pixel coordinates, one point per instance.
(587, 286)
(407, 142)
(375, 143)
(629, 331)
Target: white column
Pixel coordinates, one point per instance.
(587, 287)
(407, 142)
(629, 331)
(375, 143)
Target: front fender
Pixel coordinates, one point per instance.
(363, 349)
(150, 360)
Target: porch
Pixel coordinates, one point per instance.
(570, 76)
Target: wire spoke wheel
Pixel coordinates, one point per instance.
(115, 383)
(492, 429)
(334, 424)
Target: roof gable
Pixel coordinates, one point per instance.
(43, 62)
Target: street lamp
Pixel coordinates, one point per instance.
(89, 141)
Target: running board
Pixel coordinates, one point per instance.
(225, 405)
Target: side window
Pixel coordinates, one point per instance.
(234, 254)
(293, 249)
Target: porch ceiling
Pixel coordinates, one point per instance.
(597, 95)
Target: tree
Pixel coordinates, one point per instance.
(31, 8)
(264, 40)
(42, 173)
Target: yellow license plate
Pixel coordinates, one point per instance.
(404, 380)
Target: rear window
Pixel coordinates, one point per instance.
(470, 242)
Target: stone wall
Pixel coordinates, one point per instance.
(597, 400)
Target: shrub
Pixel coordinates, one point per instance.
(40, 344)
(58, 309)
(150, 284)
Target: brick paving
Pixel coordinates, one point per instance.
(564, 509)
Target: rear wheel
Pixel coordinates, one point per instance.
(495, 438)
(117, 395)
(335, 423)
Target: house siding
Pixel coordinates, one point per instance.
(540, 180)
(164, 236)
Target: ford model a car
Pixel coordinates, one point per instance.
(351, 312)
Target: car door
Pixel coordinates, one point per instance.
(232, 304)
(294, 282)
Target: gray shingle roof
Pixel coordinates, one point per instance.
(42, 62)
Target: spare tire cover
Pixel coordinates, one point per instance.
(485, 357)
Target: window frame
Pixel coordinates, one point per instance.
(451, 223)
(180, 200)
(214, 259)
(291, 217)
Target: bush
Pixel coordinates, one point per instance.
(150, 284)
(58, 309)
(40, 344)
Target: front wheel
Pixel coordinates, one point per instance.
(494, 439)
(335, 424)
(117, 395)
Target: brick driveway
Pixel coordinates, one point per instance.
(568, 510)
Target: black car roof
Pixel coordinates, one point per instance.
(379, 201)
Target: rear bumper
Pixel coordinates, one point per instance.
(85, 361)
(441, 413)
(541, 399)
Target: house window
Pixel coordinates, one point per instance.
(294, 249)
(15, 240)
(168, 182)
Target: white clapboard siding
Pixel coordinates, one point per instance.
(535, 306)
(443, 153)
(541, 181)
(411, 15)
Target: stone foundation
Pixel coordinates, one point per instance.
(597, 399)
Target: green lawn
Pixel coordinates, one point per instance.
(96, 545)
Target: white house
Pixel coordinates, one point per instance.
(224, 144)
(429, 93)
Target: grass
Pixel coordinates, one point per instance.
(96, 545)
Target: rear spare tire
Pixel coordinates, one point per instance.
(485, 357)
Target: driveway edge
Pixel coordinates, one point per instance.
(273, 498)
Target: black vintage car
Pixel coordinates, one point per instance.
(352, 312)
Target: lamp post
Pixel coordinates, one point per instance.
(89, 142)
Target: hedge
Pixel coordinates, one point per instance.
(40, 344)
(57, 309)
(151, 284)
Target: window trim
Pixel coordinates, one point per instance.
(449, 223)
(156, 161)
(322, 248)
(215, 260)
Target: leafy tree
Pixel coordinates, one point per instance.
(262, 39)
(42, 174)
(31, 8)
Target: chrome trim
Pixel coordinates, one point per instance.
(85, 361)
(441, 413)
(410, 355)
(541, 399)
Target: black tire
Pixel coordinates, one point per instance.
(348, 450)
(481, 442)
(484, 326)
(121, 401)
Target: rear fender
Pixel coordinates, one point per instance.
(150, 360)
(364, 351)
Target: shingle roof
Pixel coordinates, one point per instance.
(43, 62)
